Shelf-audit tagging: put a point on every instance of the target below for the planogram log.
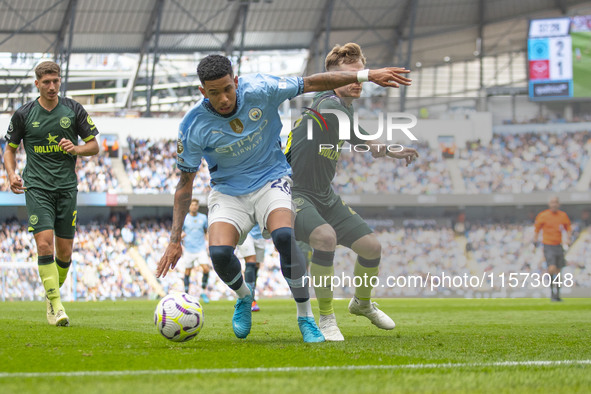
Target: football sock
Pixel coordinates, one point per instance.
(556, 283)
(227, 266)
(204, 280)
(243, 290)
(322, 271)
(50, 278)
(305, 309)
(250, 275)
(293, 265)
(62, 269)
(256, 274)
(187, 283)
(366, 270)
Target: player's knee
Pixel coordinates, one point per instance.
(64, 256)
(324, 238)
(220, 255)
(44, 248)
(370, 248)
(282, 239)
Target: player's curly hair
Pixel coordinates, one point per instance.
(46, 67)
(214, 67)
(346, 54)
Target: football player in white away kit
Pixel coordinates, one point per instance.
(194, 231)
(236, 129)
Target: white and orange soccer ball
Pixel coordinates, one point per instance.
(178, 317)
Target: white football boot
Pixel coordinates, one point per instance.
(50, 312)
(61, 319)
(328, 327)
(370, 310)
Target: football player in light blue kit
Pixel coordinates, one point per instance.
(236, 129)
(194, 252)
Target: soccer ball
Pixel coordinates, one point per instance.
(178, 317)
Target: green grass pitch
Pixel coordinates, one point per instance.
(439, 345)
(582, 67)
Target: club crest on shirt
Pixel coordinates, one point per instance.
(237, 126)
(65, 122)
(255, 114)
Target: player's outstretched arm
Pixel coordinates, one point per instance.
(387, 77)
(407, 154)
(182, 201)
(90, 148)
(15, 181)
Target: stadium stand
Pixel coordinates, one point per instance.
(151, 167)
(510, 163)
(106, 270)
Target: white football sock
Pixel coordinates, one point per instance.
(243, 291)
(304, 309)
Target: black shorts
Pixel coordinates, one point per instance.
(348, 225)
(55, 210)
(554, 255)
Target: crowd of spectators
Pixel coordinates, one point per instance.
(95, 174)
(151, 167)
(510, 163)
(508, 248)
(104, 268)
(523, 163)
(360, 173)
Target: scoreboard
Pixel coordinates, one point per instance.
(552, 44)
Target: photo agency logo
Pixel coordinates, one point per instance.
(394, 122)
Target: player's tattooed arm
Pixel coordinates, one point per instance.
(182, 201)
(387, 77)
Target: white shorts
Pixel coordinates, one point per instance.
(244, 211)
(190, 260)
(252, 247)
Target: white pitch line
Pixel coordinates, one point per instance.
(548, 363)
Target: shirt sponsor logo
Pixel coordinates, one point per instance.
(65, 122)
(51, 139)
(246, 144)
(52, 146)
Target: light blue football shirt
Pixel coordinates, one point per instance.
(194, 228)
(243, 151)
(256, 232)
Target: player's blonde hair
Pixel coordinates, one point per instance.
(346, 54)
(47, 67)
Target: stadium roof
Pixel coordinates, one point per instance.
(441, 28)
